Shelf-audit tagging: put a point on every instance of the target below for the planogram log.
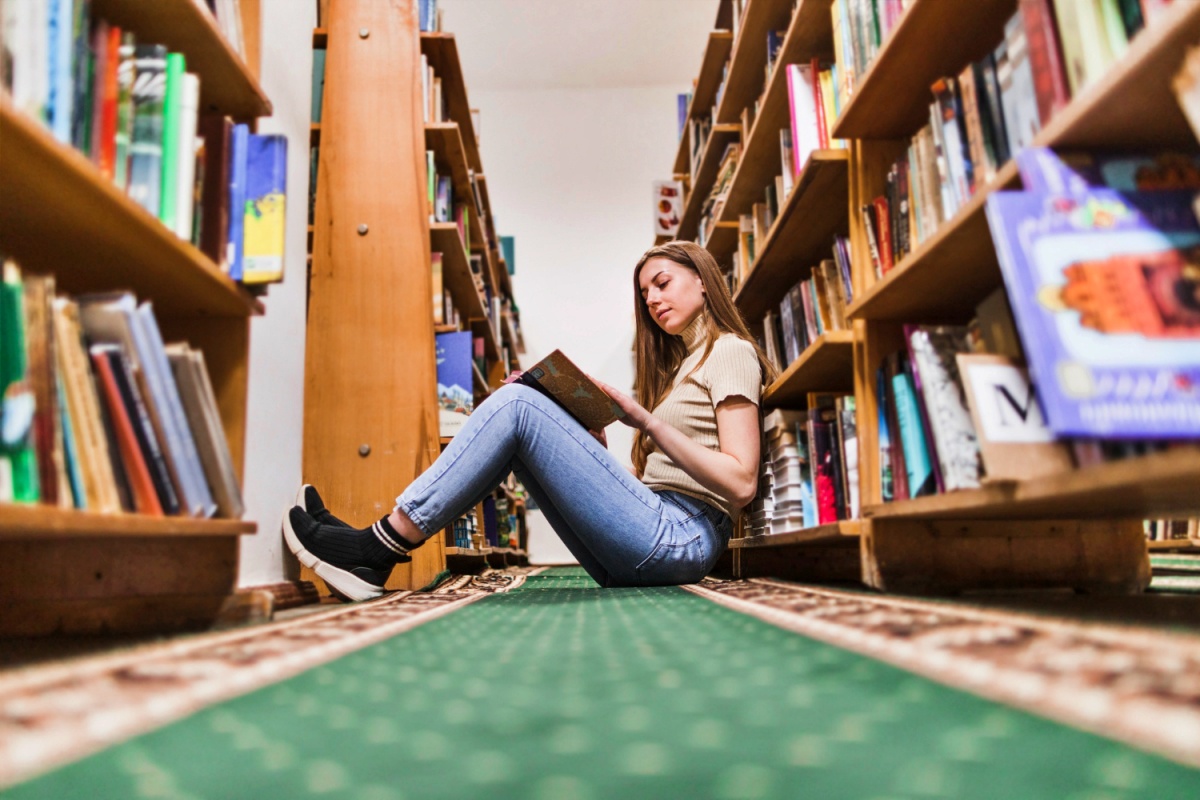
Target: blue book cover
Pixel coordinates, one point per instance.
(61, 50)
(1105, 289)
(455, 380)
(685, 100)
(318, 83)
(237, 200)
(917, 463)
(508, 247)
(264, 224)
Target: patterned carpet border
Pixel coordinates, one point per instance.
(53, 714)
(1138, 687)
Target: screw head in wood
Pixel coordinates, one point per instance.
(363, 33)
(364, 450)
(362, 229)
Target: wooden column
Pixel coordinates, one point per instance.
(370, 419)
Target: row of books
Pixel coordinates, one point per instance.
(228, 14)
(813, 105)
(100, 414)
(809, 309)
(1166, 530)
(810, 473)
(714, 203)
(1071, 42)
(434, 102)
(133, 110)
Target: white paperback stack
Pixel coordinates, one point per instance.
(787, 470)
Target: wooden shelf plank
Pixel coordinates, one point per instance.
(445, 140)
(100, 239)
(716, 53)
(1130, 107)
(722, 241)
(825, 365)
(702, 182)
(933, 39)
(802, 235)
(467, 552)
(744, 81)
(227, 85)
(36, 522)
(456, 275)
(809, 35)
(1159, 545)
(1152, 486)
(442, 52)
(822, 534)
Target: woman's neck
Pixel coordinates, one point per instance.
(695, 333)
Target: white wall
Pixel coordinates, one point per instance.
(570, 175)
(275, 424)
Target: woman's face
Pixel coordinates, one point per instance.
(673, 293)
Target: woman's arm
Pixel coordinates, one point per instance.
(731, 472)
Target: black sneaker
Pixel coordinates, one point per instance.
(318, 546)
(308, 499)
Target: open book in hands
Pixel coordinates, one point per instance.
(564, 383)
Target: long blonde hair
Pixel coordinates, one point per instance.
(658, 355)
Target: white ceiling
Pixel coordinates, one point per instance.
(557, 44)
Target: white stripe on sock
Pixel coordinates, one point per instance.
(386, 540)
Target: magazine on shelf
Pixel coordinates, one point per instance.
(559, 379)
(1105, 290)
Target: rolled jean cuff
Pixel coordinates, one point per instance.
(409, 509)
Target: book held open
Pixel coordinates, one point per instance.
(559, 379)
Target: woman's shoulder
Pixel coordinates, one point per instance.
(732, 345)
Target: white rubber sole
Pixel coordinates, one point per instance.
(341, 582)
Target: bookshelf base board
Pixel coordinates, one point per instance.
(955, 556)
(115, 585)
(827, 562)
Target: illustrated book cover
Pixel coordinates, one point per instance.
(1105, 289)
(455, 381)
(559, 379)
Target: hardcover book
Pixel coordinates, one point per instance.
(933, 349)
(559, 379)
(1105, 289)
(264, 225)
(455, 381)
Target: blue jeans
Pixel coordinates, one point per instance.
(619, 530)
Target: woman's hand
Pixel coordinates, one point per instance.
(635, 415)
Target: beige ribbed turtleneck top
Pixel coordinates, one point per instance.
(731, 369)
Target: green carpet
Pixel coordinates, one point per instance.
(563, 690)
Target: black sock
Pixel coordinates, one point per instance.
(388, 540)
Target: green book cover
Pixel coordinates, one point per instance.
(172, 122)
(18, 461)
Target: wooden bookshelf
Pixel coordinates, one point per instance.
(802, 234)
(1157, 485)
(716, 53)
(1130, 107)
(441, 50)
(743, 82)
(826, 365)
(1164, 545)
(809, 36)
(65, 571)
(445, 140)
(228, 83)
(456, 275)
(38, 522)
(722, 240)
(102, 239)
(320, 38)
(702, 182)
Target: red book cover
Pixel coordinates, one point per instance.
(822, 123)
(883, 216)
(1045, 56)
(107, 139)
(96, 110)
(145, 497)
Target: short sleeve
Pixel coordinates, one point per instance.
(732, 369)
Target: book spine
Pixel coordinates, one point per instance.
(143, 429)
(123, 133)
(237, 200)
(185, 168)
(171, 139)
(1045, 58)
(144, 498)
(145, 148)
(921, 480)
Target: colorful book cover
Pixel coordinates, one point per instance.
(234, 257)
(1044, 170)
(1105, 289)
(508, 249)
(18, 459)
(806, 135)
(172, 133)
(264, 226)
(146, 148)
(1045, 58)
(455, 381)
(557, 377)
(920, 476)
(933, 349)
(60, 99)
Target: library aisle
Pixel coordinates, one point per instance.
(550, 687)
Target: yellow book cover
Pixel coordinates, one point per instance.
(265, 210)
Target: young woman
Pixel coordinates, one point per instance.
(695, 456)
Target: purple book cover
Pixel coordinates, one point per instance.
(1043, 170)
(455, 380)
(1105, 288)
